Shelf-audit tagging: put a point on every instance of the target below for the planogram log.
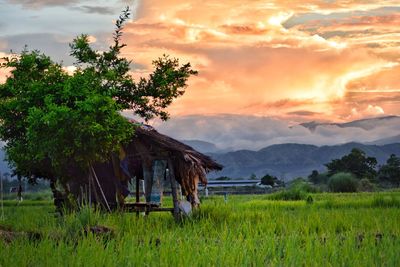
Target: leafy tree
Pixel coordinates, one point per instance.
(343, 182)
(391, 170)
(356, 162)
(253, 177)
(318, 178)
(271, 180)
(313, 176)
(268, 180)
(55, 123)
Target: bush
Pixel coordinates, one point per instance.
(343, 182)
(318, 178)
(268, 180)
(291, 194)
(365, 185)
(300, 184)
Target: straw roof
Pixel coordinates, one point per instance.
(188, 163)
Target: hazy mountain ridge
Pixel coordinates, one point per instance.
(366, 124)
(231, 132)
(385, 141)
(292, 160)
(202, 146)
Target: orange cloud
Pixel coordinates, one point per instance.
(308, 59)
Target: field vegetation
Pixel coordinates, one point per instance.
(324, 229)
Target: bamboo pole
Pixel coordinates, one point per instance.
(101, 189)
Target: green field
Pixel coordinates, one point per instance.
(333, 230)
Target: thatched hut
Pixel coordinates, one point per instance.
(152, 157)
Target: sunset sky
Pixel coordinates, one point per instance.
(295, 60)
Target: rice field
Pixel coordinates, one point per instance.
(250, 230)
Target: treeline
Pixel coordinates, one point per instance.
(11, 185)
(358, 172)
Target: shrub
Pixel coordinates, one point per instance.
(291, 194)
(300, 184)
(343, 182)
(309, 200)
(366, 185)
(318, 178)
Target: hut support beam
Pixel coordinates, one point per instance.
(173, 188)
(148, 179)
(159, 167)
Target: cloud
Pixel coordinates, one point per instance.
(103, 10)
(55, 46)
(292, 59)
(305, 113)
(37, 4)
(251, 62)
(4, 72)
(252, 132)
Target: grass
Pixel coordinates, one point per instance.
(333, 230)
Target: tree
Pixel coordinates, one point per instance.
(356, 162)
(391, 170)
(268, 180)
(51, 120)
(318, 178)
(271, 180)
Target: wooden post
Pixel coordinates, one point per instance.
(173, 188)
(90, 190)
(148, 180)
(1, 191)
(137, 193)
(158, 181)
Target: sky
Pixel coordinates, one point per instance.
(292, 60)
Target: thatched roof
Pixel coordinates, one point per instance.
(188, 163)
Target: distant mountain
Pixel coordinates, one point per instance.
(386, 141)
(202, 146)
(288, 161)
(366, 124)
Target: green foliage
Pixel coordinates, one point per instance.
(249, 230)
(309, 200)
(318, 178)
(356, 162)
(268, 180)
(223, 178)
(366, 185)
(298, 189)
(385, 202)
(271, 180)
(391, 171)
(343, 182)
(288, 194)
(302, 185)
(52, 121)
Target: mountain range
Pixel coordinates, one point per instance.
(285, 152)
(288, 161)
